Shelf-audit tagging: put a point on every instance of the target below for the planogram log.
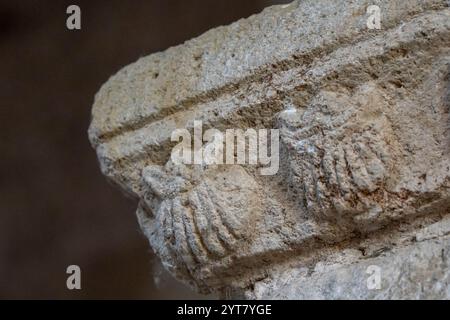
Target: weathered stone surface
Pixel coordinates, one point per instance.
(364, 147)
(419, 270)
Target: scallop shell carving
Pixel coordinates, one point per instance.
(197, 216)
(339, 167)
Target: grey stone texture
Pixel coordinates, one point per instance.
(364, 170)
(410, 269)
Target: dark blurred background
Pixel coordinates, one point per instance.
(56, 209)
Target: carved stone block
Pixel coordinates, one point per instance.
(363, 116)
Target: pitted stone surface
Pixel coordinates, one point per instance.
(419, 270)
(364, 149)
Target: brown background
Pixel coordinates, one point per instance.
(56, 209)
